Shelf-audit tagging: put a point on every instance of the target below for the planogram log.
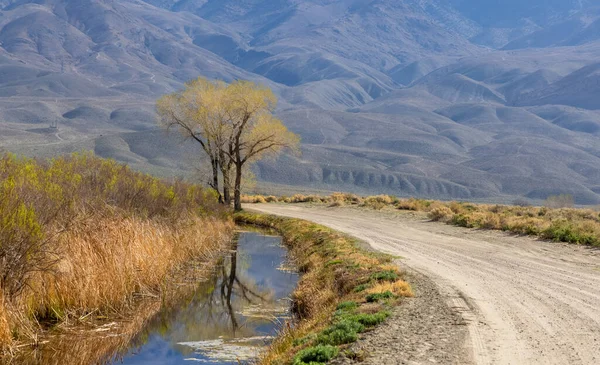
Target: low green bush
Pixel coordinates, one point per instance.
(316, 355)
(361, 288)
(376, 297)
(347, 306)
(385, 276)
(371, 320)
(460, 220)
(338, 335)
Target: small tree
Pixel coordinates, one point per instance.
(254, 132)
(198, 114)
(233, 123)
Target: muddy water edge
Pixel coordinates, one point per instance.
(225, 319)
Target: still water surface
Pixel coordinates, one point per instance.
(230, 317)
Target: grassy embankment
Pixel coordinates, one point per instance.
(343, 291)
(82, 237)
(578, 226)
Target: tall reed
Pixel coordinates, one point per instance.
(80, 235)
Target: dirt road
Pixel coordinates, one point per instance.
(525, 301)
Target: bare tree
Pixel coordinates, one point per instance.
(254, 132)
(196, 112)
(233, 123)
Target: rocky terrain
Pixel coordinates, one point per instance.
(463, 99)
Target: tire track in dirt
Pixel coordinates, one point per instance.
(525, 301)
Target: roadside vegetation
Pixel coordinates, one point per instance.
(83, 237)
(557, 220)
(344, 290)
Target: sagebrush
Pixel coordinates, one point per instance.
(557, 220)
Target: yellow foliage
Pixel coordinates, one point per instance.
(79, 233)
(440, 213)
(233, 123)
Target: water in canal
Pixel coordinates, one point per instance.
(226, 319)
(231, 317)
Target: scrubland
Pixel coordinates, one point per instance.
(83, 237)
(344, 290)
(572, 225)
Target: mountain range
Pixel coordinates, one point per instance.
(455, 99)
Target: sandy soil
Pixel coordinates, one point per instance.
(524, 301)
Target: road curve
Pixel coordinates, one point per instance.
(525, 301)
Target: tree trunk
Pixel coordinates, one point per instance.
(238, 187)
(226, 187)
(215, 183)
(225, 165)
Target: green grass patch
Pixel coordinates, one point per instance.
(376, 297)
(333, 262)
(305, 340)
(371, 320)
(347, 306)
(389, 276)
(362, 287)
(316, 355)
(341, 333)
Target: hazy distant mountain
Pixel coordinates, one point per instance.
(469, 99)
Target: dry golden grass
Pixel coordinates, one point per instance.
(413, 204)
(400, 288)
(579, 226)
(106, 264)
(108, 337)
(5, 336)
(82, 236)
(378, 202)
(103, 263)
(440, 213)
(558, 221)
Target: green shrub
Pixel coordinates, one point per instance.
(376, 297)
(337, 338)
(344, 331)
(347, 306)
(316, 355)
(370, 320)
(361, 288)
(568, 232)
(460, 220)
(390, 276)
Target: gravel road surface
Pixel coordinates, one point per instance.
(521, 300)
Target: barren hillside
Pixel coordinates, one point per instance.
(448, 99)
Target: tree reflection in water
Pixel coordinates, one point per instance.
(245, 298)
